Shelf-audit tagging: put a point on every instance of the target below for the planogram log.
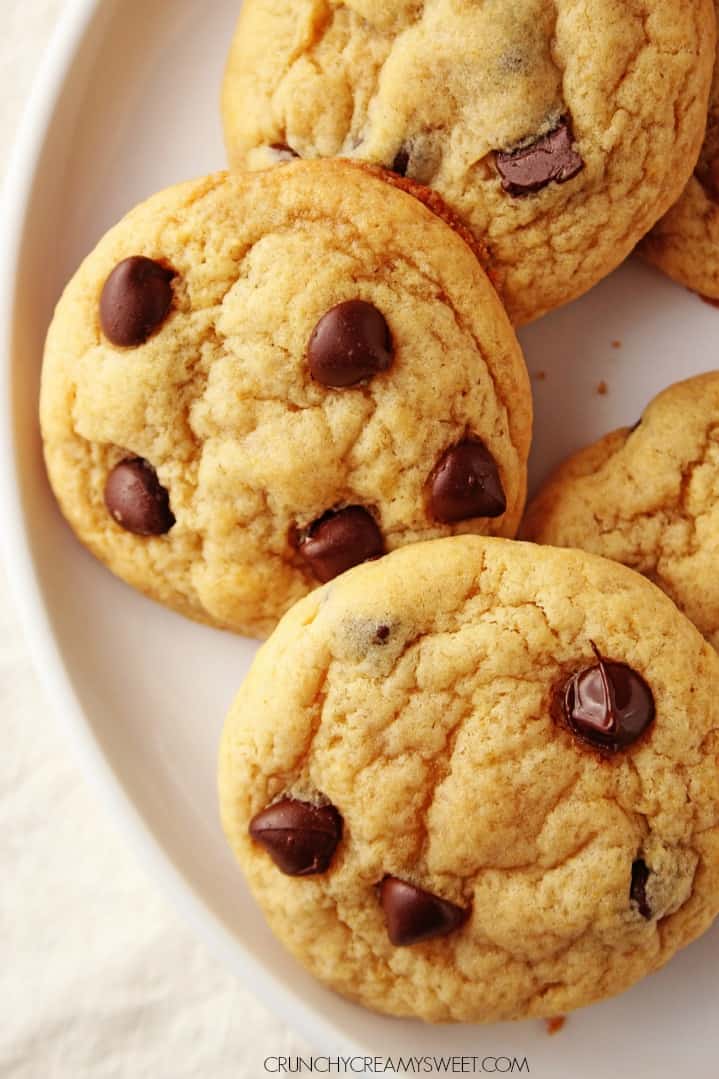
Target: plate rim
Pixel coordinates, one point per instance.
(72, 29)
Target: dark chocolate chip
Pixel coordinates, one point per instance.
(638, 889)
(301, 838)
(349, 344)
(135, 300)
(382, 634)
(551, 158)
(137, 500)
(401, 162)
(283, 151)
(411, 914)
(339, 540)
(608, 705)
(465, 484)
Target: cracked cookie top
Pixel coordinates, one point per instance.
(648, 497)
(478, 780)
(254, 383)
(559, 130)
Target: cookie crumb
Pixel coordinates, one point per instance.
(555, 1024)
(616, 344)
(602, 389)
(539, 376)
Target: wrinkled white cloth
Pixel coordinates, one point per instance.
(99, 978)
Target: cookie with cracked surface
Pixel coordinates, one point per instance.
(255, 382)
(542, 124)
(477, 780)
(648, 497)
(685, 243)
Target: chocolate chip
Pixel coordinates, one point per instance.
(638, 889)
(135, 300)
(137, 500)
(349, 344)
(401, 162)
(465, 484)
(411, 914)
(339, 540)
(550, 158)
(301, 838)
(382, 634)
(608, 705)
(283, 151)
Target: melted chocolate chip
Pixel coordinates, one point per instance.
(135, 300)
(551, 158)
(411, 914)
(349, 344)
(382, 634)
(401, 162)
(466, 483)
(638, 889)
(339, 540)
(608, 705)
(301, 838)
(137, 500)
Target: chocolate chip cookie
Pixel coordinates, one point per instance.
(559, 131)
(685, 243)
(477, 780)
(256, 382)
(648, 497)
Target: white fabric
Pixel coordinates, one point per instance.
(98, 976)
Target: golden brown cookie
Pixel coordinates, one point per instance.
(648, 497)
(559, 131)
(255, 382)
(477, 780)
(685, 243)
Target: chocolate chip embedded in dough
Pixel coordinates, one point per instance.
(301, 838)
(608, 705)
(135, 300)
(550, 159)
(136, 499)
(466, 483)
(350, 343)
(412, 914)
(339, 540)
(638, 888)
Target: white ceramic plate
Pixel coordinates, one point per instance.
(128, 104)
